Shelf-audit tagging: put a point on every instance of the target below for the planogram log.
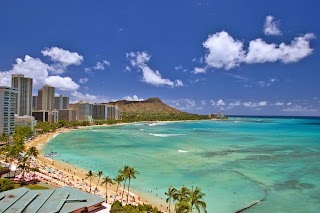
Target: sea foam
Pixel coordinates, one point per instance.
(165, 135)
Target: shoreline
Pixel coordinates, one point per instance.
(78, 173)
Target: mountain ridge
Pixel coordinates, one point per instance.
(150, 105)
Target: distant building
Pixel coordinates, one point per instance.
(46, 116)
(113, 112)
(105, 112)
(46, 100)
(61, 102)
(7, 109)
(35, 103)
(25, 120)
(83, 111)
(67, 114)
(24, 95)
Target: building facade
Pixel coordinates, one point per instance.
(46, 100)
(25, 120)
(105, 112)
(7, 109)
(83, 111)
(24, 95)
(67, 114)
(61, 102)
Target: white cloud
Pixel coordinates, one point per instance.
(180, 67)
(255, 104)
(39, 71)
(271, 27)
(78, 96)
(198, 70)
(83, 80)
(101, 65)
(184, 104)
(133, 98)
(279, 104)
(220, 103)
(65, 57)
(139, 60)
(260, 52)
(63, 83)
(298, 108)
(224, 51)
(235, 103)
(289, 104)
(203, 102)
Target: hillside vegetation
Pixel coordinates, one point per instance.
(152, 109)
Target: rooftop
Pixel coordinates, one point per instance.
(64, 199)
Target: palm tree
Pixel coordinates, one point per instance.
(34, 170)
(90, 175)
(171, 192)
(131, 173)
(124, 172)
(32, 152)
(183, 207)
(182, 195)
(24, 166)
(99, 174)
(105, 182)
(196, 199)
(118, 179)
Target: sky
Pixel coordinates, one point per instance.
(202, 56)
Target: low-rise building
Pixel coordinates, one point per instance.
(25, 120)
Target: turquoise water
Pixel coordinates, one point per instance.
(235, 162)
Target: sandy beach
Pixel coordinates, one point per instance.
(77, 174)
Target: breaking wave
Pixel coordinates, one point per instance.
(165, 135)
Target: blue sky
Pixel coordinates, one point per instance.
(239, 57)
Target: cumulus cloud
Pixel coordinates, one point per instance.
(220, 103)
(198, 70)
(225, 52)
(139, 60)
(63, 83)
(255, 104)
(133, 98)
(260, 52)
(78, 96)
(39, 71)
(279, 104)
(101, 65)
(271, 27)
(83, 80)
(65, 57)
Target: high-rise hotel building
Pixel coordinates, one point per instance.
(24, 95)
(7, 109)
(46, 100)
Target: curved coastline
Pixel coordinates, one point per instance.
(78, 172)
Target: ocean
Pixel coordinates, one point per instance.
(236, 162)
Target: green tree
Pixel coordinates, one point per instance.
(6, 184)
(124, 172)
(183, 207)
(34, 170)
(182, 195)
(118, 179)
(24, 166)
(99, 174)
(105, 182)
(90, 175)
(131, 173)
(196, 199)
(170, 193)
